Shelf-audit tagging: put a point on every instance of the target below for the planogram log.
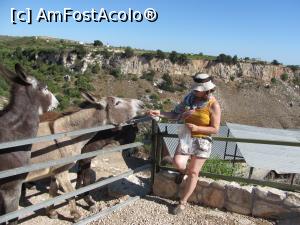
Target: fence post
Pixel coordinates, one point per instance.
(234, 156)
(226, 143)
(153, 149)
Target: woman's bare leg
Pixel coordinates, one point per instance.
(193, 170)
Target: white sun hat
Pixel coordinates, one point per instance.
(202, 82)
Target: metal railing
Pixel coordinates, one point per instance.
(156, 151)
(24, 212)
(158, 146)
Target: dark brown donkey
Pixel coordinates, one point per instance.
(105, 138)
(20, 120)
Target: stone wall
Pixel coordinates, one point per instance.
(264, 202)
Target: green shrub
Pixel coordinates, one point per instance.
(134, 78)
(284, 76)
(80, 51)
(154, 97)
(64, 101)
(83, 82)
(167, 101)
(147, 90)
(116, 72)
(18, 53)
(296, 80)
(96, 68)
(72, 92)
(149, 76)
(167, 84)
(273, 80)
(29, 53)
(4, 87)
(78, 65)
(53, 86)
(128, 52)
(232, 78)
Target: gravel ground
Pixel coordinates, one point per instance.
(148, 210)
(152, 210)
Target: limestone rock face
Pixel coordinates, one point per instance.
(138, 65)
(268, 202)
(239, 199)
(293, 201)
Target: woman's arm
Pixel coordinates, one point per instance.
(168, 115)
(215, 119)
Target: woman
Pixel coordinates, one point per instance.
(201, 114)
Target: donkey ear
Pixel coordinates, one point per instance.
(22, 75)
(8, 75)
(89, 97)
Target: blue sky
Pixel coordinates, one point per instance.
(265, 29)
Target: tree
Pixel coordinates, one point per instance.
(98, 43)
(235, 59)
(173, 57)
(148, 56)
(128, 52)
(182, 59)
(275, 62)
(160, 54)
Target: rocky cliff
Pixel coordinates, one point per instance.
(138, 65)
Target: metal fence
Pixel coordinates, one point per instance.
(226, 150)
(62, 198)
(159, 134)
(166, 136)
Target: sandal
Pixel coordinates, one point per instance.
(179, 178)
(179, 208)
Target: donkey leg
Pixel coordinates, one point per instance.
(50, 210)
(10, 197)
(65, 183)
(84, 178)
(88, 178)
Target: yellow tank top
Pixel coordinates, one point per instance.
(201, 117)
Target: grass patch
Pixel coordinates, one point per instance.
(219, 166)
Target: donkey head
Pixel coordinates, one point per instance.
(38, 92)
(118, 110)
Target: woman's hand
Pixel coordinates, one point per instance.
(153, 113)
(192, 127)
(187, 114)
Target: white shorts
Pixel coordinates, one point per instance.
(201, 147)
